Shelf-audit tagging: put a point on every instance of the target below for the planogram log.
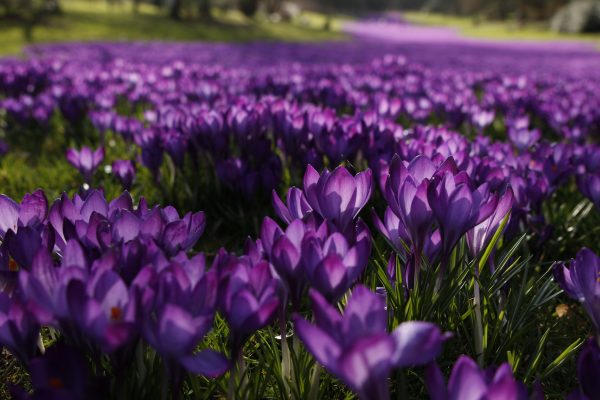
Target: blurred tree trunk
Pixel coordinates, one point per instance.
(175, 11)
(53, 6)
(273, 6)
(504, 8)
(204, 8)
(136, 6)
(248, 7)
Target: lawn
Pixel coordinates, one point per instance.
(497, 30)
(93, 20)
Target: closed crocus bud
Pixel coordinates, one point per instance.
(284, 249)
(124, 171)
(468, 382)
(479, 237)
(152, 151)
(579, 280)
(333, 264)
(180, 313)
(589, 185)
(86, 161)
(356, 347)
(458, 208)
(175, 145)
(406, 194)
(248, 296)
(337, 196)
(393, 230)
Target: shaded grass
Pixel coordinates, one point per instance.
(87, 21)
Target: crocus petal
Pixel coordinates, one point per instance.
(365, 313)
(33, 208)
(436, 385)
(466, 381)
(417, 343)
(588, 369)
(365, 366)
(280, 209)
(9, 214)
(318, 343)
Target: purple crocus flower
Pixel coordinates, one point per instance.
(104, 308)
(30, 213)
(248, 296)
(86, 160)
(406, 194)
(579, 280)
(174, 143)
(356, 346)
(337, 196)
(296, 206)
(332, 263)
(458, 208)
(479, 237)
(44, 287)
(152, 152)
(284, 250)
(100, 224)
(394, 231)
(589, 185)
(23, 232)
(468, 382)
(18, 328)
(588, 371)
(61, 373)
(181, 234)
(520, 134)
(178, 313)
(124, 171)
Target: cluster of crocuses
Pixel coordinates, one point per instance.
(431, 207)
(250, 147)
(109, 277)
(106, 275)
(249, 124)
(121, 287)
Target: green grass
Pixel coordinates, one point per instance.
(96, 20)
(497, 30)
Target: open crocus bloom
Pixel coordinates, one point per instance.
(356, 346)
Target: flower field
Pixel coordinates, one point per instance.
(369, 218)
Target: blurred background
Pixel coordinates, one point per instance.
(37, 21)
